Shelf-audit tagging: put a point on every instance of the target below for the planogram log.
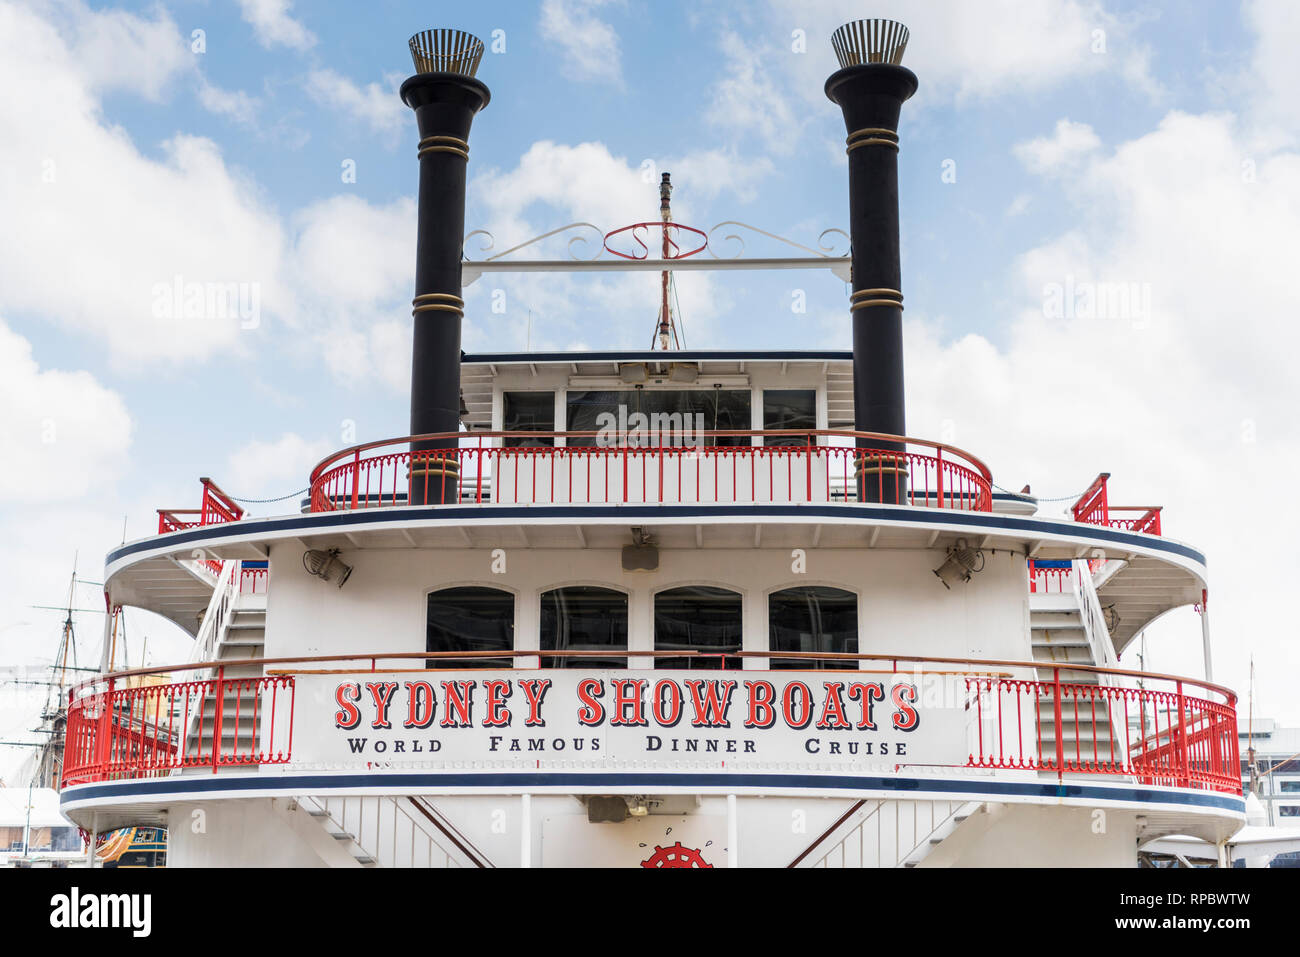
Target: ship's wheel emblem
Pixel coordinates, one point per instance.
(675, 856)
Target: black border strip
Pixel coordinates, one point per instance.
(723, 355)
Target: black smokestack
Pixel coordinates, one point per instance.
(870, 89)
(445, 96)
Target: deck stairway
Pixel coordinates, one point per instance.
(390, 831)
(1068, 628)
(887, 833)
(234, 628)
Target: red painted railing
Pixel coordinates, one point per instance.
(1022, 716)
(116, 731)
(1094, 508)
(818, 466)
(215, 508)
(254, 581)
(1157, 735)
(1050, 580)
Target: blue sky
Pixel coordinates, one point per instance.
(1144, 143)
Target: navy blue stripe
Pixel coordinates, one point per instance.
(308, 782)
(983, 520)
(725, 355)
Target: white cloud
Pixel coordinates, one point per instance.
(587, 182)
(1019, 205)
(378, 107)
(961, 51)
(63, 433)
(116, 50)
(554, 184)
(1273, 75)
(235, 104)
(273, 26)
(67, 442)
(353, 266)
(264, 468)
(589, 47)
(706, 174)
(1068, 144)
(749, 98)
(54, 535)
(1188, 403)
(106, 230)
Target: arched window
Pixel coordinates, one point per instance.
(697, 618)
(470, 618)
(584, 618)
(812, 618)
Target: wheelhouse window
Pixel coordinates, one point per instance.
(471, 618)
(697, 618)
(584, 618)
(528, 412)
(813, 619)
(665, 417)
(785, 409)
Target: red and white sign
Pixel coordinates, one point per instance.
(622, 719)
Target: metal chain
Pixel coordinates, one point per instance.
(1035, 498)
(263, 501)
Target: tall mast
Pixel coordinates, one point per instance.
(667, 332)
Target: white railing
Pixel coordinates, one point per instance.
(886, 834)
(1094, 620)
(216, 620)
(394, 831)
(207, 643)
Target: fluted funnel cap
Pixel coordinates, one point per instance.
(870, 41)
(446, 51)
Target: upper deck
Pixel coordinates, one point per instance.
(823, 381)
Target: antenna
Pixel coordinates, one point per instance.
(667, 327)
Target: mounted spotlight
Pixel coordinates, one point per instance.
(633, 372)
(326, 565)
(642, 555)
(683, 372)
(962, 562)
(613, 809)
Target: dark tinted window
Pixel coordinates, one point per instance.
(584, 618)
(697, 618)
(813, 619)
(528, 412)
(789, 409)
(470, 619)
(688, 411)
